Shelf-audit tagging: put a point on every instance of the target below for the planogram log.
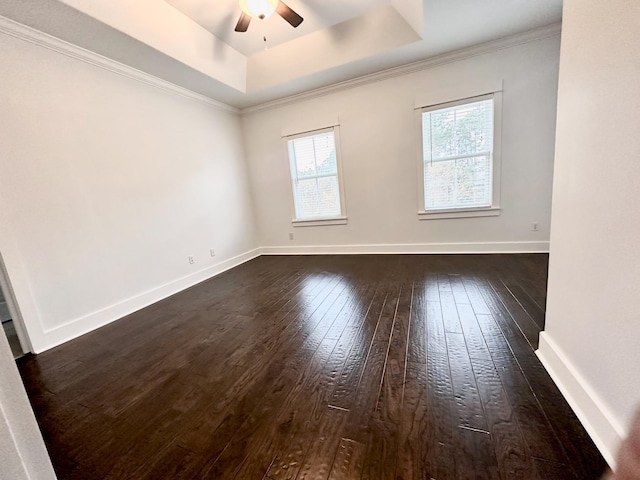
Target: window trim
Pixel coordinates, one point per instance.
(464, 212)
(341, 218)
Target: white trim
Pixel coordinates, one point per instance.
(485, 153)
(496, 160)
(596, 418)
(319, 222)
(307, 125)
(36, 37)
(14, 310)
(411, 248)
(310, 132)
(459, 213)
(433, 100)
(85, 324)
(536, 34)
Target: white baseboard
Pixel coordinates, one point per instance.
(415, 248)
(85, 324)
(597, 420)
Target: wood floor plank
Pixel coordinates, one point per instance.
(289, 458)
(173, 462)
(251, 382)
(587, 462)
(508, 442)
(256, 426)
(457, 287)
(303, 409)
(440, 399)
(465, 389)
(449, 312)
(349, 460)
(412, 447)
(306, 399)
(345, 392)
(527, 411)
(417, 346)
(318, 462)
(517, 341)
(528, 304)
(432, 291)
(392, 389)
(476, 345)
(520, 316)
(552, 471)
(473, 456)
(234, 455)
(361, 411)
(476, 300)
(382, 450)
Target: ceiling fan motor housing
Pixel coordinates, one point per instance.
(259, 9)
(262, 9)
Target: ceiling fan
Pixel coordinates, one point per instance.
(262, 9)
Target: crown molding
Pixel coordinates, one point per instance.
(454, 56)
(36, 37)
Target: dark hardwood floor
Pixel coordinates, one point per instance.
(342, 367)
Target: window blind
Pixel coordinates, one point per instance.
(457, 154)
(314, 172)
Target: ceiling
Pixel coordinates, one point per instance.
(192, 43)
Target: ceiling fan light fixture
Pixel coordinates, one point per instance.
(259, 9)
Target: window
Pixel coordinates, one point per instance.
(460, 165)
(317, 190)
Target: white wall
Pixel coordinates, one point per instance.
(107, 185)
(379, 147)
(591, 342)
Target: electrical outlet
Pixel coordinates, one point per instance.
(534, 227)
(212, 252)
(291, 236)
(192, 259)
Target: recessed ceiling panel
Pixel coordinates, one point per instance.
(380, 30)
(220, 17)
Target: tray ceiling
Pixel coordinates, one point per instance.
(192, 43)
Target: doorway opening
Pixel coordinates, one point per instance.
(10, 316)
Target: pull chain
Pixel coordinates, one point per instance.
(264, 35)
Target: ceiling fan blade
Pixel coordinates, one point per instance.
(289, 15)
(243, 22)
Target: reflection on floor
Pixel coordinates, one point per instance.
(9, 328)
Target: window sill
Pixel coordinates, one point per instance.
(316, 222)
(459, 213)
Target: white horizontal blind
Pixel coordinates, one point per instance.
(457, 153)
(314, 173)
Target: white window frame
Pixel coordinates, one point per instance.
(464, 212)
(340, 219)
